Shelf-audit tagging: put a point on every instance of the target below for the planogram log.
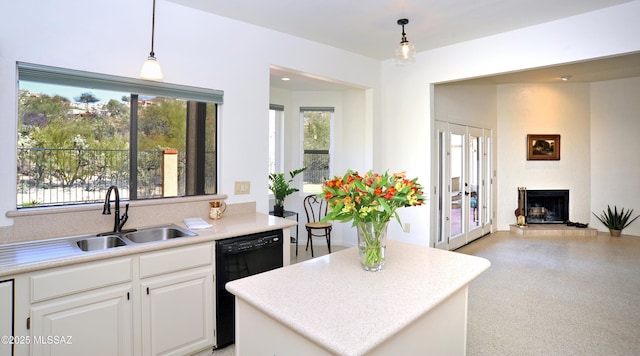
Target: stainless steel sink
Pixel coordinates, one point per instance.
(100, 243)
(158, 234)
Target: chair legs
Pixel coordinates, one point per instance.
(309, 235)
(327, 236)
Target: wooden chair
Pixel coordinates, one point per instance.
(316, 209)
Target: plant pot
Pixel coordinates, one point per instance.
(614, 233)
(278, 211)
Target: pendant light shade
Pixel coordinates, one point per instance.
(151, 68)
(405, 51)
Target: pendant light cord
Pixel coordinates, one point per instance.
(153, 27)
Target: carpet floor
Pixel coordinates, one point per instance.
(555, 295)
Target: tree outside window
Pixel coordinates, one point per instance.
(317, 143)
(75, 142)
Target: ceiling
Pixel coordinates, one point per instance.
(610, 68)
(369, 27)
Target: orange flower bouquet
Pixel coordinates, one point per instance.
(370, 201)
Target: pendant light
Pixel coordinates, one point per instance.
(151, 68)
(406, 51)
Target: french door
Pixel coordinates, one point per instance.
(463, 186)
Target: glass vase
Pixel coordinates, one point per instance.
(372, 242)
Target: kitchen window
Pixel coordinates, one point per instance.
(317, 144)
(81, 132)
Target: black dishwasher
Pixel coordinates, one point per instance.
(236, 258)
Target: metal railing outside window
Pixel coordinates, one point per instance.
(317, 163)
(56, 176)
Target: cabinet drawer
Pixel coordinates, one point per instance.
(79, 278)
(176, 259)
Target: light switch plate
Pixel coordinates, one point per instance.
(242, 187)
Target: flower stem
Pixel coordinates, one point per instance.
(372, 237)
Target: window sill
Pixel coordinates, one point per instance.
(93, 207)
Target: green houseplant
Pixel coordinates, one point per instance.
(280, 188)
(614, 220)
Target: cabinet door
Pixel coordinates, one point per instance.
(177, 313)
(94, 323)
(6, 315)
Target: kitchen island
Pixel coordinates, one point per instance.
(328, 305)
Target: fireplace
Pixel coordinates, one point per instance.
(547, 206)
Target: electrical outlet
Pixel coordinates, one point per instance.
(407, 227)
(242, 187)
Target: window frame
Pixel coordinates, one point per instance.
(72, 77)
(134, 87)
(278, 132)
(331, 111)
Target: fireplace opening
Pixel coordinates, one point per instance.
(547, 206)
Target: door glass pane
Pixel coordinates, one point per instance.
(441, 186)
(457, 171)
(474, 181)
(486, 203)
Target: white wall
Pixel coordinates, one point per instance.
(471, 105)
(615, 148)
(543, 109)
(200, 49)
(195, 48)
(350, 147)
(408, 92)
(598, 126)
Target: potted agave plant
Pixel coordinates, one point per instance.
(280, 188)
(616, 220)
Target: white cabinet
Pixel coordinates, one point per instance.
(177, 314)
(85, 309)
(155, 303)
(6, 314)
(177, 303)
(96, 323)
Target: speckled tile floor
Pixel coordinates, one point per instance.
(555, 295)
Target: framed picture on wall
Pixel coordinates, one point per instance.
(543, 147)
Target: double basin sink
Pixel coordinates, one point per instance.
(150, 234)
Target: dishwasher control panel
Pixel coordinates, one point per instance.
(236, 245)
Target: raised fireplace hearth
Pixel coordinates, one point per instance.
(547, 206)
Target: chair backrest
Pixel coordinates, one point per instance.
(315, 208)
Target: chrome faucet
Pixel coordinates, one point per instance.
(119, 220)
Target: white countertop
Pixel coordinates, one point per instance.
(333, 302)
(23, 257)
